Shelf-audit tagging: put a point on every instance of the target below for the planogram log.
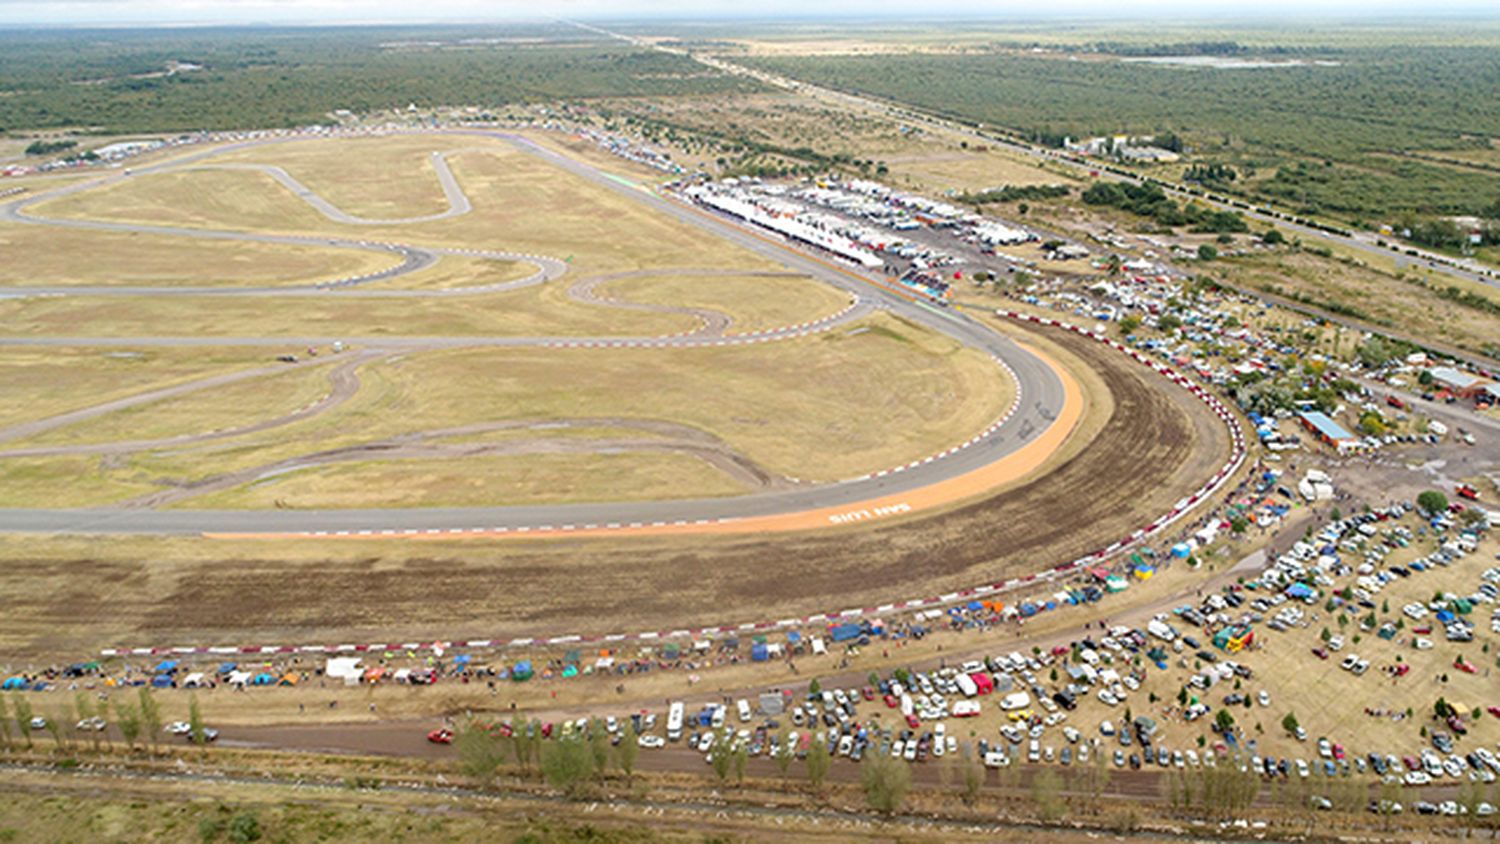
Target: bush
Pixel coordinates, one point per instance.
(244, 828)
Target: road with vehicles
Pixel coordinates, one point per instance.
(1016, 443)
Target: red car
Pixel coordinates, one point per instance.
(1465, 666)
(867, 693)
(441, 735)
(1494, 710)
(1395, 402)
(1466, 491)
(913, 722)
(1320, 653)
(891, 702)
(1338, 752)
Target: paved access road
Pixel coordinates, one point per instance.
(1039, 414)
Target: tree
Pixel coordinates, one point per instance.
(1425, 378)
(195, 722)
(128, 719)
(4, 722)
(599, 746)
(627, 751)
(1432, 502)
(22, 708)
(1289, 723)
(567, 763)
(1169, 323)
(150, 716)
(785, 753)
(54, 727)
(886, 781)
(1272, 237)
(1046, 793)
(1129, 324)
(817, 762)
(84, 707)
(816, 688)
(741, 759)
(1207, 252)
(972, 774)
(1224, 721)
(1239, 524)
(479, 751)
(721, 755)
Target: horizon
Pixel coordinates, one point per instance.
(116, 14)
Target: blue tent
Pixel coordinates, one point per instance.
(1299, 590)
(522, 671)
(975, 606)
(759, 652)
(793, 636)
(463, 659)
(1444, 616)
(13, 684)
(162, 681)
(263, 679)
(227, 668)
(167, 667)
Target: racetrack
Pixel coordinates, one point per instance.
(1040, 401)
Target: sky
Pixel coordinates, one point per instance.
(176, 12)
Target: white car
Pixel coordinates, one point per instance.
(651, 742)
(1416, 778)
(1264, 698)
(179, 728)
(1422, 644)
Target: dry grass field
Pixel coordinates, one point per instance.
(1409, 307)
(789, 402)
(44, 256)
(918, 158)
(537, 311)
(485, 481)
(232, 405)
(42, 382)
(242, 200)
(754, 303)
(375, 177)
(601, 230)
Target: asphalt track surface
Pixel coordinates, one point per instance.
(1040, 412)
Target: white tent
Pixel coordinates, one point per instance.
(346, 668)
(193, 681)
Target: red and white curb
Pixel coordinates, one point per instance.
(1179, 511)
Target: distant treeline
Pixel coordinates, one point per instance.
(116, 80)
(49, 147)
(1339, 123)
(1151, 201)
(1016, 193)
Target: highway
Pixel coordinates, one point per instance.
(1040, 402)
